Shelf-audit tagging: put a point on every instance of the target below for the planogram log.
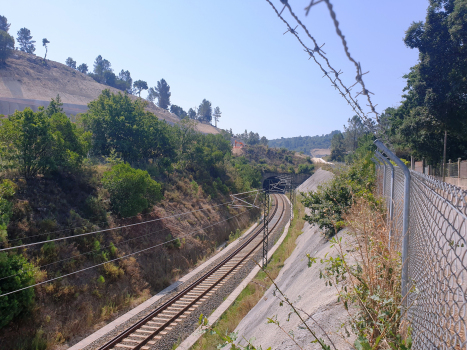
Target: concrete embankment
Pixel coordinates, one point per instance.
(303, 286)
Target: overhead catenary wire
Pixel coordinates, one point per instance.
(104, 222)
(110, 229)
(122, 257)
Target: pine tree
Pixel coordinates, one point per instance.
(25, 42)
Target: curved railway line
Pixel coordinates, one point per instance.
(147, 332)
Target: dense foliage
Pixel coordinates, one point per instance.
(14, 304)
(434, 101)
(131, 190)
(42, 142)
(329, 202)
(303, 143)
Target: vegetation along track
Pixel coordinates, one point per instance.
(151, 328)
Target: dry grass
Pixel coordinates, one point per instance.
(366, 275)
(255, 290)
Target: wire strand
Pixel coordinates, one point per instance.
(119, 258)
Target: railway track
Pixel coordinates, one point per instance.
(151, 328)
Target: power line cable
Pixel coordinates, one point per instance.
(114, 228)
(109, 229)
(122, 257)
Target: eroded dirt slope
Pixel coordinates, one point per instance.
(26, 76)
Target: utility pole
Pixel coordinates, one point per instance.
(265, 226)
(444, 155)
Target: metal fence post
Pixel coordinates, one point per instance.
(391, 194)
(405, 226)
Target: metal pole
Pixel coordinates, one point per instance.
(391, 195)
(405, 226)
(265, 227)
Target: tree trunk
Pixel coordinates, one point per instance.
(444, 154)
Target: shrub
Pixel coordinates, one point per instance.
(131, 190)
(7, 191)
(305, 168)
(114, 272)
(14, 304)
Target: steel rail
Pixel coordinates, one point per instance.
(132, 329)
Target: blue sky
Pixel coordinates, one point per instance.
(234, 53)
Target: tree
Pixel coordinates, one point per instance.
(44, 43)
(101, 66)
(41, 142)
(7, 45)
(121, 125)
(162, 92)
(337, 148)
(178, 111)
(435, 105)
(353, 131)
(131, 190)
(70, 62)
(192, 113)
(25, 42)
(140, 85)
(14, 304)
(126, 81)
(217, 114)
(205, 111)
(83, 68)
(152, 95)
(4, 25)
(264, 141)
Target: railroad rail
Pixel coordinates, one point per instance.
(147, 331)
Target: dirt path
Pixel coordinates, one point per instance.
(303, 286)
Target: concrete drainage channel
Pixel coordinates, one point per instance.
(184, 327)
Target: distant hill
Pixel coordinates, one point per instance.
(304, 143)
(26, 82)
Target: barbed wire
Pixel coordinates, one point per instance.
(336, 82)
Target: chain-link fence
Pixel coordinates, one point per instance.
(430, 230)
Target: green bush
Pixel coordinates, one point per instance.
(14, 304)
(7, 191)
(131, 190)
(329, 203)
(306, 168)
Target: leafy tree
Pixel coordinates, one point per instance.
(264, 141)
(140, 85)
(192, 113)
(44, 43)
(217, 114)
(353, 132)
(4, 25)
(131, 190)
(25, 42)
(205, 111)
(70, 62)
(7, 45)
(162, 93)
(14, 304)
(7, 191)
(40, 142)
(178, 111)
(337, 147)
(101, 66)
(126, 81)
(83, 68)
(28, 141)
(434, 105)
(121, 125)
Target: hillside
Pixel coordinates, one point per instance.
(304, 143)
(26, 81)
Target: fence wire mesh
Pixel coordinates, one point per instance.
(437, 257)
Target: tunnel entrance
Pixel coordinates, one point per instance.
(274, 184)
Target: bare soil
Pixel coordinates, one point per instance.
(26, 76)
